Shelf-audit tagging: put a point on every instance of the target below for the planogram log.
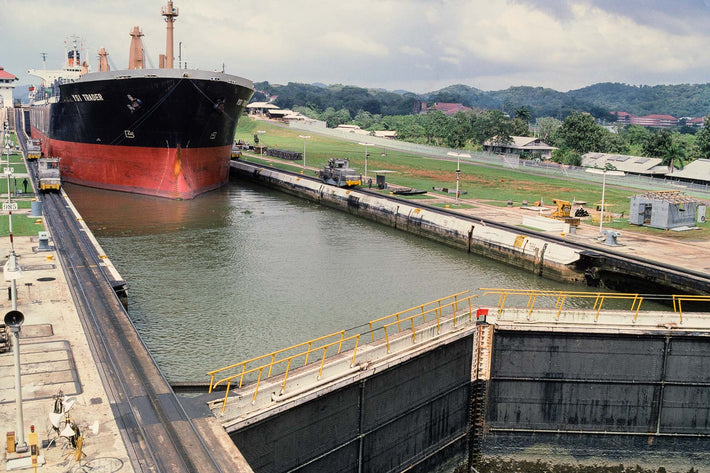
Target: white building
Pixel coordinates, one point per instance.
(520, 144)
(625, 163)
(6, 85)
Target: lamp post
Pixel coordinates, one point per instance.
(603, 172)
(14, 320)
(261, 142)
(366, 155)
(305, 137)
(458, 169)
(8, 171)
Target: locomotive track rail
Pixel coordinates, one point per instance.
(158, 434)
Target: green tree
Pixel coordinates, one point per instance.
(675, 154)
(519, 127)
(342, 116)
(566, 156)
(615, 143)
(579, 132)
(328, 116)
(459, 131)
(363, 119)
(523, 113)
(702, 140)
(307, 111)
(547, 128)
(492, 125)
(636, 136)
(658, 143)
(436, 126)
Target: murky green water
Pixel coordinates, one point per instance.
(245, 270)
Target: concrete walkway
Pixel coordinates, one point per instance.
(55, 357)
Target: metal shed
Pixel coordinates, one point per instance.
(665, 209)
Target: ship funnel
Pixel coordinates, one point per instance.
(73, 58)
(170, 13)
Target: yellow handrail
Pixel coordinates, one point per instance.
(439, 314)
(421, 307)
(280, 357)
(678, 299)
(439, 308)
(288, 360)
(562, 296)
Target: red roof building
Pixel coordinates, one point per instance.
(652, 121)
(6, 86)
(699, 121)
(6, 75)
(447, 108)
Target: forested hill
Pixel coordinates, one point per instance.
(684, 100)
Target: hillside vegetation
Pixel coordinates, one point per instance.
(684, 100)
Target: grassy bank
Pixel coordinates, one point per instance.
(22, 225)
(496, 185)
(489, 184)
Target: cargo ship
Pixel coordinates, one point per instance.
(166, 132)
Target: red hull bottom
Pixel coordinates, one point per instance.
(173, 173)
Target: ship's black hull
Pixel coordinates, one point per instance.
(166, 133)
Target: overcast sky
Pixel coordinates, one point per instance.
(417, 45)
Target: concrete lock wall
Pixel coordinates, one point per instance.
(532, 254)
(632, 399)
(563, 395)
(413, 414)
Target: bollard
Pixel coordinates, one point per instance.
(611, 237)
(36, 208)
(11, 442)
(43, 242)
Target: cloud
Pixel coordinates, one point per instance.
(382, 43)
(352, 44)
(411, 51)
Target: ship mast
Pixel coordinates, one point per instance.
(103, 60)
(135, 54)
(170, 13)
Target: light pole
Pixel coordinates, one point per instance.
(8, 171)
(14, 320)
(458, 169)
(305, 137)
(261, 142)
(603, 172)
(366, 155)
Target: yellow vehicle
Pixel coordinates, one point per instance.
(48, 174)
(236, 152)
(34, 149)
(339, 173)
(564, 208)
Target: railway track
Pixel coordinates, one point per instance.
(157, 432)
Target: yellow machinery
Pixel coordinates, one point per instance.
(33, 149)
(48, 174)
(564, 208)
